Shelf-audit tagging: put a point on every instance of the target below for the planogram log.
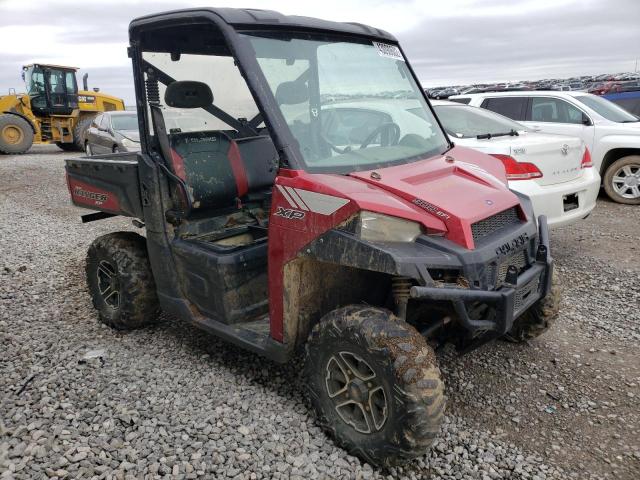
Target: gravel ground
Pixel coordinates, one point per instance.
(82, 401)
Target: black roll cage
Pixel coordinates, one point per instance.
(231, 24)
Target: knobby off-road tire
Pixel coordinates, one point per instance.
(79, 135)
(16, 135)
(538, 319)
(383, 363)
(121, 282)
(622, 180)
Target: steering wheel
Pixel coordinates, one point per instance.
(392, 136)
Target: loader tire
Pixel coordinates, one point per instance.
(538, 318)
(80, 132)
(16, 134)
(374, 384)
(120, 281)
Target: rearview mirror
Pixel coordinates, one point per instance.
(188, 94)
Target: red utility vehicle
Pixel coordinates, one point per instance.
(366, 238)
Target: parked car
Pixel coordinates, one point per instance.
(630, 101)
(554, 171)
(113, 132)
(611, 134)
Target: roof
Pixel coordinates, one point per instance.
(252, 18)
(521, 93)
(437, 103)
(64, 67)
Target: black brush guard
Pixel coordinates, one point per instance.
(510, 301)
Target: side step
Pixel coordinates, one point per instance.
(253, 336)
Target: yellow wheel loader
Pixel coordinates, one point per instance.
(52, 110)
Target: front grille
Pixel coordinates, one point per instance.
(524, 293)
(494, 223)
(518, 260)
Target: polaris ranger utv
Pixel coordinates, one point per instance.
(277, 221)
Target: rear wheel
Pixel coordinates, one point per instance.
(80, 131)
(622, 180)
(16, 135)
(374, 384)
(121, 282)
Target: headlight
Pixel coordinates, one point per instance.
(129, 143)
(375, 227)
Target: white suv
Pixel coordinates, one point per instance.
(611, 134)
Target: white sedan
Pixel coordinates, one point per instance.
(554, 171)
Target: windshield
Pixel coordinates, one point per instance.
(124, 122)
(347, 103)
(464, 122)
(607, 109)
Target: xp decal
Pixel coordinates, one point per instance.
(289, 213)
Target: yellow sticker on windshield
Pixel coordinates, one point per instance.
(389, 51)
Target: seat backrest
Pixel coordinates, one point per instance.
(542, 113)
(218, 169)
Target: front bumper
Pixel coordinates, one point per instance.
(509, 302)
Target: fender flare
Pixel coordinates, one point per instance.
(629, 146)
(24, 118)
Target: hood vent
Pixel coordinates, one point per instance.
(495, 223)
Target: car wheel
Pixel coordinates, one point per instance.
(622, 180)
(374, 384)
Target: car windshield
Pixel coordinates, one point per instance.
(124, 122)
(346, 102)
(462, 121)
(607, 109)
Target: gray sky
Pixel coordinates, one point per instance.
(448, 42)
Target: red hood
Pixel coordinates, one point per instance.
(461, 192)
(443, 196)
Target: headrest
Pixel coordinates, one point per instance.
(292, 93)
(188, 94)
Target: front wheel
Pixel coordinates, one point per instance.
(374, 384)
(121, 282)
(16, 135)
(622, 180)
(538, 319)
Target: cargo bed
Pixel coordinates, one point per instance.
(107, 183)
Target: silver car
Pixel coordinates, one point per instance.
(113, 132)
